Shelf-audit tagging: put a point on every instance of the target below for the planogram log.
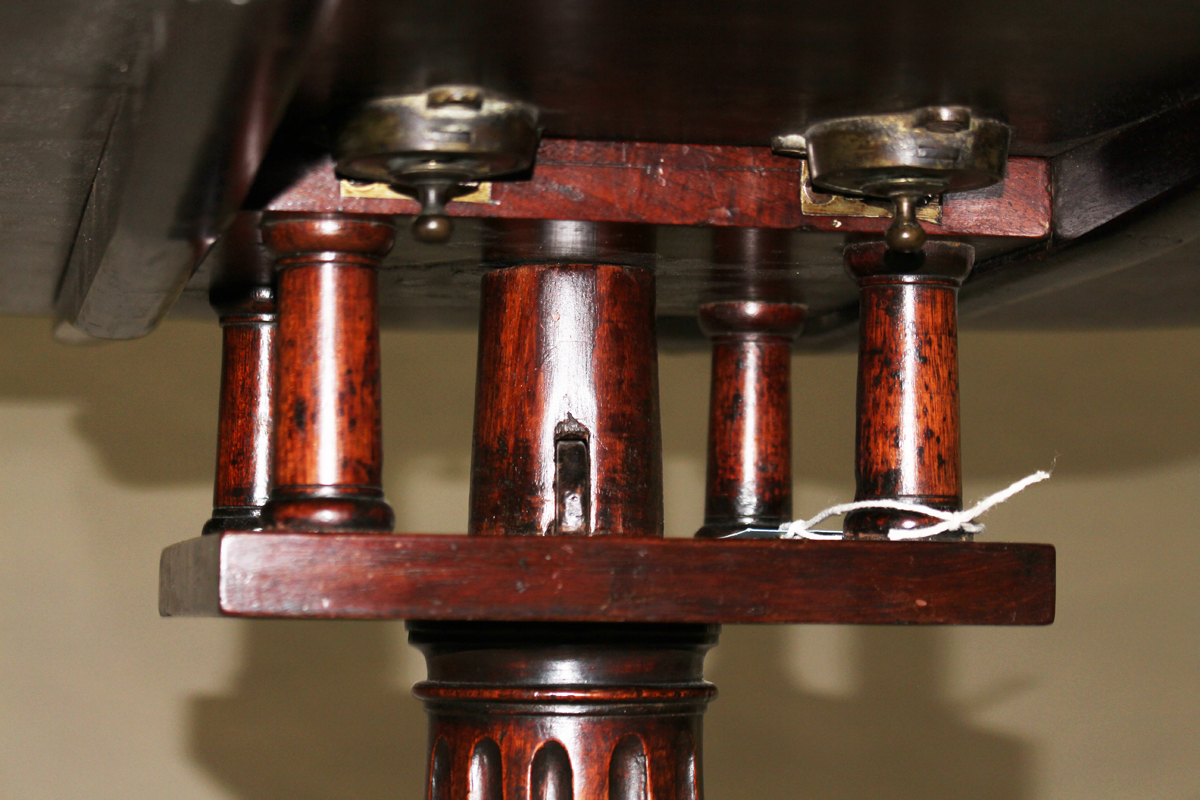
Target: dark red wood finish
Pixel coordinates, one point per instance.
(567, 434)
(600, 691)
(244, 433)
(752, 264)
(567, 444)
(907, 446)
(675, 184)
(511, 242)
(328, 450)
(553, 712)
(749, 481)
(608, 579)
(751, 325)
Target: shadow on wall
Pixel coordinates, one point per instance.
(896, 736)
(315, 714)
(149, 406)
(1101, 403)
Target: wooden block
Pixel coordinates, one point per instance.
(674, 184)
(607, 579)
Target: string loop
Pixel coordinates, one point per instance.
(950, 520)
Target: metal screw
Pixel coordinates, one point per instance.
(947, 119)
(464, 96)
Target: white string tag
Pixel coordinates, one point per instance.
(950, 520)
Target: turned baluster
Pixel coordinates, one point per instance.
(244, 299)
(908, 427)
(244, 429)
(749, 482)
(328, 447)
(566, 443)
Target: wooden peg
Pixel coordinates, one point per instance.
(751, 323)
(908, 428)
(244, 300)
(244, 428)
(328, 448)
(567, 436)
(749, 425)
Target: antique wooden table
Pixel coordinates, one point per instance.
(591, 182)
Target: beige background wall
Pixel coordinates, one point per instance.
(106, 456)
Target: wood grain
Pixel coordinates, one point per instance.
(567, 354)
(907, 444)
(558, 711)
(244, 429)
(749, 473)
(677, 184)
(328, 441)
(607, 579)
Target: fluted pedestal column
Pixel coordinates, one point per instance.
(567, 444)
(557, 712)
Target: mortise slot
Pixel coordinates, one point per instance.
(572, 487)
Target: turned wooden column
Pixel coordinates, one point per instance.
(751, 324)
(558, 712)
(908, 427)
(749, 425)
(567, 436)
(244, 428)
(328, 445)
(567, 443)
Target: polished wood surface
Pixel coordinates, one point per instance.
(681, 184)
(749, 478)
(552, 712)
(567, 434)
(564, 637)
(328, 450)
(607, 579)
(907, 444)
(567, 444)
(707, 71)
(751, 324)
(1104, 103)
(512, 242)
(244, 429)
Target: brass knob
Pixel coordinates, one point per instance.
(905, 235)
(432, 228)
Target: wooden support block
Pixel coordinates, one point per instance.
(676, 184)
(564, 638)
(607, 579)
